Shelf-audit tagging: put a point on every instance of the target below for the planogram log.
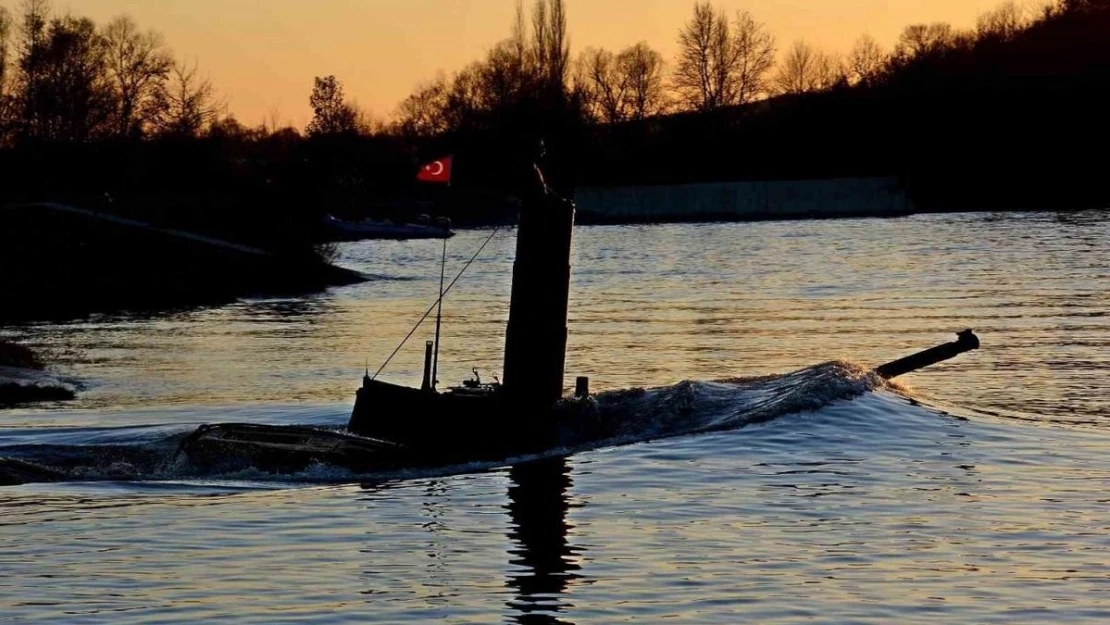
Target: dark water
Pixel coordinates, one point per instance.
(975, 492)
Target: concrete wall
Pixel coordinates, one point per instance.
(790, 199)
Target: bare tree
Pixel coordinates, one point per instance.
(540, 36)
(798, 69)
(921, 40)
(5, 38)
(517, 44)
(366, 123)
(271, 123)
(550, 47)
(755, 57)
(139, 65)
(34, 16)
(1068, 6)
(422, 113)
(32, 56)
(187, 104)
(866, 60)
(806, 69)
(6, 103)
(1002, 23)
(701, 75)
(464, 98)
(228, 127)
(558, 47)
(504, 77)
(604, 84)
(624, 86)
(522, 80)
(331, 113)
(643, 71)
(66, 95)
(722, 65)
(580, 83)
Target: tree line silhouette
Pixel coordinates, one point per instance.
(995, 116)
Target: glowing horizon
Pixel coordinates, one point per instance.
(262, 55)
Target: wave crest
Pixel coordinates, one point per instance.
(691, 407)
(611, 418)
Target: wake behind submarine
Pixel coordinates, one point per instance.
(396, 427)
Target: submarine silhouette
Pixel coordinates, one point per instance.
(394, 427)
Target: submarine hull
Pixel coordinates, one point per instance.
(460, 425)
(285, 449)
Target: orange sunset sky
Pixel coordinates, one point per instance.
(263, 54)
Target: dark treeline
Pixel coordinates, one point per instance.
(105, 117)
(1003, 115)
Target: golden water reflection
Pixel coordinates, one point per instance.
(653, 305)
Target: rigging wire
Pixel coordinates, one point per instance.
(438, 301)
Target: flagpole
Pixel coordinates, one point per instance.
(427, 174)
(439, 314)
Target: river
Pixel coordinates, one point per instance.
(972, 492)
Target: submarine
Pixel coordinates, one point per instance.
(395, 427)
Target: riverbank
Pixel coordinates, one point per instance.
(64, 261)
(743, 201)
(23, 378)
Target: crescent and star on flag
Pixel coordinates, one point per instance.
(436, 171)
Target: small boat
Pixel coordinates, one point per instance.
(342, 230)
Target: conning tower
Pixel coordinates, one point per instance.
(536, 337)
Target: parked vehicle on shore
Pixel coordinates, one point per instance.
(423, 228)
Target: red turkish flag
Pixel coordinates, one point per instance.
(436, 171)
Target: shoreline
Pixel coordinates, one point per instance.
(71, 262)
(24, 379)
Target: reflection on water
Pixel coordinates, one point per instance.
(864, 508)
(657, 305)
(291, 310)
(544, 561)
(541, 564)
